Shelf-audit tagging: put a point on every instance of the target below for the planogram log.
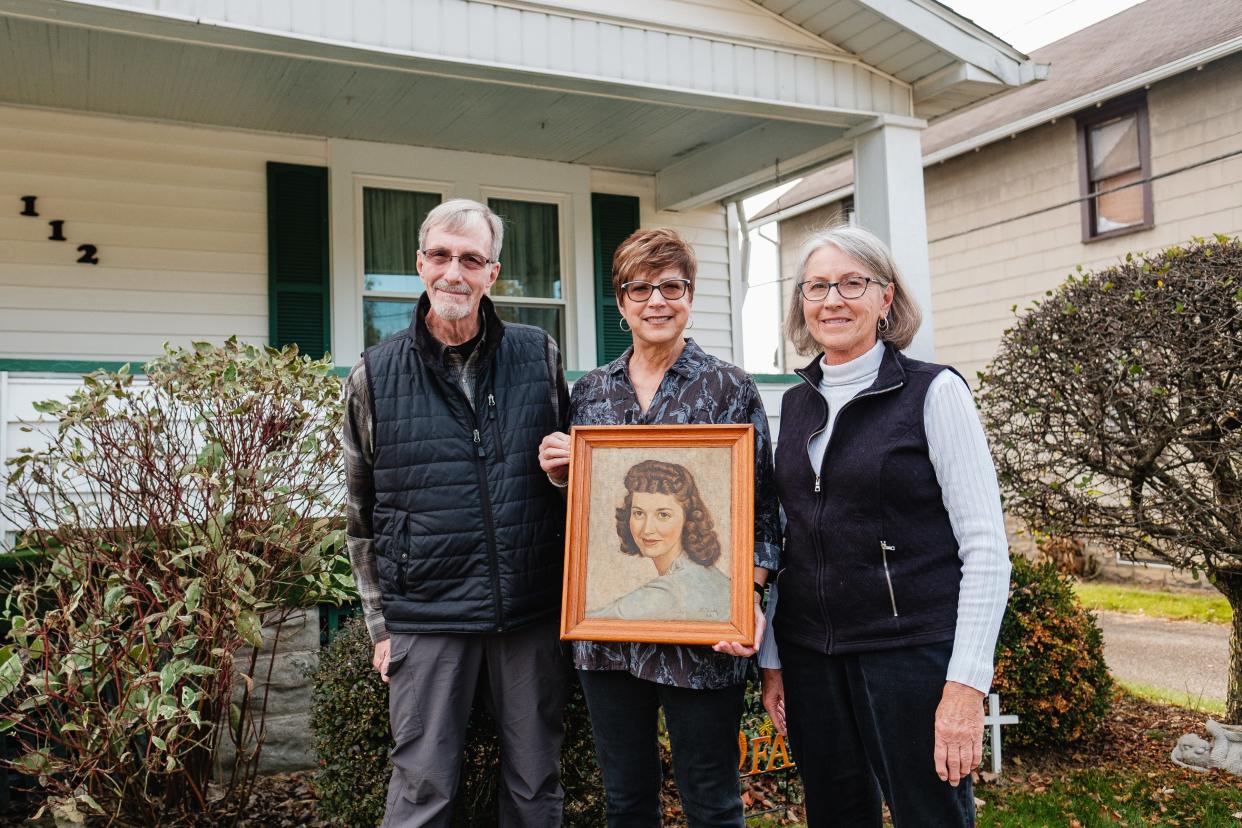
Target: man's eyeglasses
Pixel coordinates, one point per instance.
(851, 287)
(440, 257)
(640, 291)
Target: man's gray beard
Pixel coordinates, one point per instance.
(449, 310)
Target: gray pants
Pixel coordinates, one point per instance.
(432, 683)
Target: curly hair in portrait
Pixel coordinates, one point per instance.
(698, 537)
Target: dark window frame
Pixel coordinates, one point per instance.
(1130, 104)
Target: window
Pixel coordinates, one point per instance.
(529, 289)
(1114, 152)
(390, 281)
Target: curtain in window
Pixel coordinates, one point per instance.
(390, 222)
(531, 256)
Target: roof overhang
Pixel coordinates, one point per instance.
(949, 61)
(710, 116)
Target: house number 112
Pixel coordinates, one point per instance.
(88, 251)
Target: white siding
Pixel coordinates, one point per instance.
(178, 215)
(703, 228)
(710, 47)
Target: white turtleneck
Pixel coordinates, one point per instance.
(959, 454)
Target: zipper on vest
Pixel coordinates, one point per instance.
(478, 445)
(884, 550)
(491, 413)
(823, 605)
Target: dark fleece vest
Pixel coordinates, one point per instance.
(468, 530)
(870, 560)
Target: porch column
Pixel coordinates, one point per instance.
(888, 201)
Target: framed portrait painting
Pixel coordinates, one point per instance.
(660, 538)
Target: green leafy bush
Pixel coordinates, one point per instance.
(349, 717)
(1050, 668)
(177, 517)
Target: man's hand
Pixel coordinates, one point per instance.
(774, 697)
(735, 649)
(554, 456)
(380, 659)
(959, 732)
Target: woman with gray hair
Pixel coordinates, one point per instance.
(896, 566)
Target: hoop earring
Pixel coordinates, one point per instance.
(690, 324)
(882, 326)
(623, 325)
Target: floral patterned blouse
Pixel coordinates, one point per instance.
(697, 389)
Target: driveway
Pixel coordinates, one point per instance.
(1178, 656)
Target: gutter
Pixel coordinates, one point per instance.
(1097, 96)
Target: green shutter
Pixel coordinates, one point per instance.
(613, 219)
(297, 258)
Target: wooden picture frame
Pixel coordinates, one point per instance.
(632, 572)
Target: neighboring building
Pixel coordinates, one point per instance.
(193, 169)
(1153, 94)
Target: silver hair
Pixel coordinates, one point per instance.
(904, 316)
(456, 215)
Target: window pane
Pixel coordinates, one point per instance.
(1114, 147)
(1123, 208)
(390, 222)
(541, 317)
(530, 259)
(381, 318)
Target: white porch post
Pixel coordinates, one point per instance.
(888, 201)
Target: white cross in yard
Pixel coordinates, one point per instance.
(994, 720)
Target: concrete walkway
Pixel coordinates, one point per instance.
(1177, 656)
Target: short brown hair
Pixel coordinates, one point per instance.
(648, 252)
(698, 536)
(866, 248)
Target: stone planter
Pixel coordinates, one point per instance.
(287, 745)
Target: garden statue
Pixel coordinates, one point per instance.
(1222, 749)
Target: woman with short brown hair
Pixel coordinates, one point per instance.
(665, 378)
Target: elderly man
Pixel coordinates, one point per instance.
(455, 534)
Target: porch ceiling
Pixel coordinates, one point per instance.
(700, 150)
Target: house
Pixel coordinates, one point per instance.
(180, 170)
(1146, 105)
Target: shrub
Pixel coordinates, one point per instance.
(1113, 410)
(1050, 668)
(349, 718)
(177, 517)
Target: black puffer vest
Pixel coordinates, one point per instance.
(468, 530)
(870, 559)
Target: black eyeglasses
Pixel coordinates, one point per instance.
(440, 257)
(851, 287)
(640, 291)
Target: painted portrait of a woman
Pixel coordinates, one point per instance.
(664, 519)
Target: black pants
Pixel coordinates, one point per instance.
(702, 728)
(863, 724)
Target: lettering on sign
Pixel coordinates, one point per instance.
(764, 752)
(89, 251)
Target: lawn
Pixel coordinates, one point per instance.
(1208, 606)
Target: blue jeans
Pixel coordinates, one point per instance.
(702, 728)
(862, 725)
